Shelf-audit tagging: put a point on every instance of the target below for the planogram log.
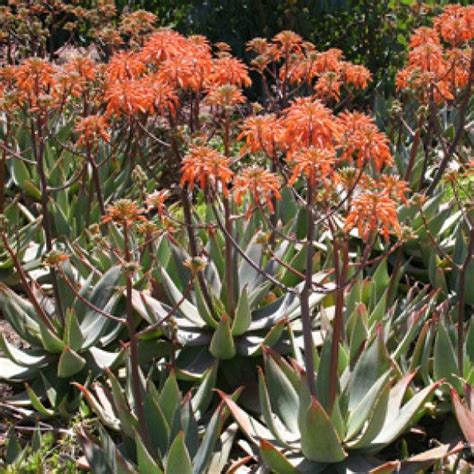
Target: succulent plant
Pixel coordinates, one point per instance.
(56, 353)
(266, 310)
(375, 405)
(183, 435)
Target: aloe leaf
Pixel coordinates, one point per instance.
(105, 416)
(203, 308)
(465, 417)
(358, 335)
(360, 413)
(158, 426)
(186, 308)
(204, 453)
(103, 296)
(445, 363)
(145, 460)
(51, 342)
(37, 403)
(283, 396)
(70, 363)
(20, 314)
(372, 363)
(275, 460)
(203, 396)
(323, 375)
(375, 421)
(170, 398)
(73, 336)
(252, 428)
(243, 316)
(222, 343)
(128, 420)
(319, 439)
(271, 420)
(178, 461)
(398, 423)
(21, 357)
(106, 360)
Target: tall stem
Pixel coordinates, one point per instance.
(304, 297)
(229, 267)
(38, 152)
(338, 326)
(134, 356)
(194, 250)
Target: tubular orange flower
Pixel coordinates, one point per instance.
(362, 140)
(329, 60)
(328, 86)
(288, 42)
(35, 76)
(91, 129)
(225, 96)
(317, 164)
(76, 76)
(228, 70)
(394, 187)
(189, 69)
(207, 167)
(357, 76)
(373, 212)
(308, 122)
(137, 23)
(124, 66)
(261, 184)
(261, 133)
(456, 24)
(164, 97)
(162, 45)
(157, 200)
(124, 211)
(128, 98)
(422, 36)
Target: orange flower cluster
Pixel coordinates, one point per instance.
(261, 184)
(308, 122)
(124, 212)
(261, 133)
(157, 201)
(317, 164)
(91, 129)
(361, 140)
(435, 72)
(207, 167)
(299, 62)
(373, 212)
(151, 79)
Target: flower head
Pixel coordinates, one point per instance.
(124, 212)
(373, 212)
(261, 133)
(156, 200)
(261, 184)
(317, 164)
(91, 129)
(207, 167)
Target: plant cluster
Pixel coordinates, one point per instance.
(220, 285)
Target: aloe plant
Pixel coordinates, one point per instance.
(183, 435)
(56, 354)
(266, 309)
(297, 431)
